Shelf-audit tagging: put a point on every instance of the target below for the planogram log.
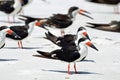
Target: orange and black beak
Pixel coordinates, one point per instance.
(10, 32)
(82, 12)
(88, 43)
(86, 35)
(40, 24)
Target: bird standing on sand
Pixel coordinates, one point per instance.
(68, 55)
(62, 21)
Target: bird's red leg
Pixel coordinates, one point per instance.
(22, 11)
(116, 9)
(62, 32)
(20, 44)
(9, 19)
(75, 68)
(69, 68)
(13, 18)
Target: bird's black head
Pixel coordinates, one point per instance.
(82, 32)
(72, 9)
(86, 42)
(80, 29)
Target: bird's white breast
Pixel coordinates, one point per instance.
(83, 53)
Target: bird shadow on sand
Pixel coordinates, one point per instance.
(72, 72)
(88, 61)
(17, 22)
(8, 60)
(22, 48)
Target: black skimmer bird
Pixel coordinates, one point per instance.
(109, 2)
(3, 32)
(23, 30)
(68, 38)
(64, 54)
(62, 21)
(60, 41)
(12, 7)
(113, 26)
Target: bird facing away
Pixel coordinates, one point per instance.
(113, 26)
(3, 32)
(68, 55)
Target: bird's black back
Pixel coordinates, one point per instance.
(66, 40)
(66, 55)
(22, 31)
(59, 21)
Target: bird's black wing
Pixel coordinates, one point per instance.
(22, 31)
(59, 21)
(45, 55)
(51, 37)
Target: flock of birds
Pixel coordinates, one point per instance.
(73, 47)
